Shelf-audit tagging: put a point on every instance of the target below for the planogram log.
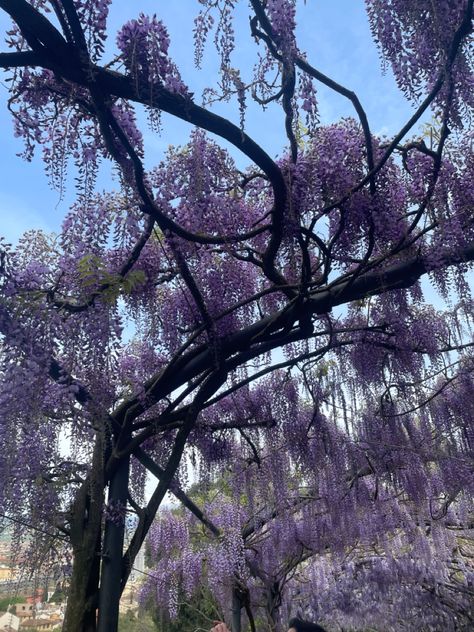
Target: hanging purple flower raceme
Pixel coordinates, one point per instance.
(416, 40)
(115, 512)
(203, 23)
(308, 99)
(93, 16)
(144, 44)
(282, 14)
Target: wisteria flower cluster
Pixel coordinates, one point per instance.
(144, 45)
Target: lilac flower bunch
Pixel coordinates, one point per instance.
(282, 16)
(415, 39)
(144, 45)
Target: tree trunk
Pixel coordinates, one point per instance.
(236, 608)
(273, 605)
(111, 571)
(82, 594)
(86, 538)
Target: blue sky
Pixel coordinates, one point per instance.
(334, 33)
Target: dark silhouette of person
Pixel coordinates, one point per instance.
(297, 625)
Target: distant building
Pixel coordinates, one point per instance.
(138, 567)
(25, 610)
(7, 573)
(136, 573)
(9, 622)
(38, 624)
(37, 597)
